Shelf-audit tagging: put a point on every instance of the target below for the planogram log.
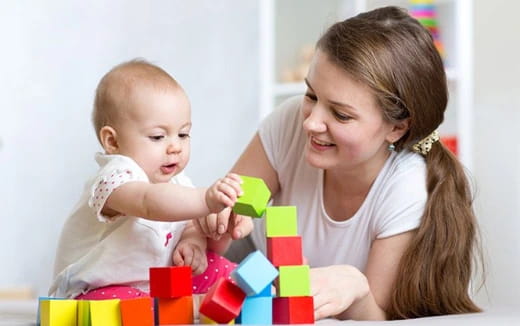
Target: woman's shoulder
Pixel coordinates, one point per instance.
(407, 161)
(404, 171)
(287, 111)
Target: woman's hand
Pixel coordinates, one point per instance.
(342, 291)
(214, 226)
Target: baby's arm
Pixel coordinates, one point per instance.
(191, 250)
(171, 202)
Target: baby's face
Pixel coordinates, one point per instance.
(154, 131)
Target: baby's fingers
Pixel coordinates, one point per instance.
(233, 182)
(187, 254)
(177, 258)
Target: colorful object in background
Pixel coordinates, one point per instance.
(451, 143)
(426, 13)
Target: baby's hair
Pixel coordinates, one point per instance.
(116, 86)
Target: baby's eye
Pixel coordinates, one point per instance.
(156, 138)
(184, 135)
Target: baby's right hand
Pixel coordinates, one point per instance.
(223, 193)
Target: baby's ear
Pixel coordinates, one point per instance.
(108, 137)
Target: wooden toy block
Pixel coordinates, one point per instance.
(105, 312)
(285, 250)
(256, 311)
(58, 312)
(223, 301)
(293, 310)
(254, 273)
(281, 221)
(40, 300)
(137, 312)
(254, 199)
(84, 313)
(208, 321)
(175, 311)
(170, 282)
(293, 281)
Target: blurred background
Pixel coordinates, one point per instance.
(236, 60)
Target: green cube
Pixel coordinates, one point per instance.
(281, 221)
(255, 198)
(294, 281)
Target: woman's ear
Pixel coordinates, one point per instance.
(398, 131)
(108, 137)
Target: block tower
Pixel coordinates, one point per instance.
(293, 303)
(172, 289)
(248, 298)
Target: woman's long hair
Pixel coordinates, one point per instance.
(393, 54)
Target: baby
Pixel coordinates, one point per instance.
(136, 211)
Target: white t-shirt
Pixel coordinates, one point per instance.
(394, 204)
(96, 251)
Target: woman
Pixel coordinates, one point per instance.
(384, 209)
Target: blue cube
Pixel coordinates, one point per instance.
(254, 273)
(256, 310)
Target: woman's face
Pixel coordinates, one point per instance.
(345, 128)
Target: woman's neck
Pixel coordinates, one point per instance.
(356, 181)
(344, 191)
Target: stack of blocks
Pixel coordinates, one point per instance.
(247, 298)
(293, 303)
(172, 288)
(252, 297)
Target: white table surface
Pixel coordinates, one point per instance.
(23, 313)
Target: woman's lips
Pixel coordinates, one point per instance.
(320, 145)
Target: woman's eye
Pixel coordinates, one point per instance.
(155, 138)
(310, 96)
(340, 116)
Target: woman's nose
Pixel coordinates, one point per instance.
(315, 120)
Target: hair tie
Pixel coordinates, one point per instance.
(425, 145)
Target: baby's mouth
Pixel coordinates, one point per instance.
(168, 168)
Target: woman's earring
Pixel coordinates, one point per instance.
(391, 147)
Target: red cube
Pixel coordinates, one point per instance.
(223, 301)
(293, 310)
(282, 251)
(170, 282)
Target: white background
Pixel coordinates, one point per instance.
(54, 52)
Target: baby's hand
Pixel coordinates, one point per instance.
(214, 226)
(223, 193)
(189, 254)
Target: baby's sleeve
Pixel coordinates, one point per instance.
(103, 186)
